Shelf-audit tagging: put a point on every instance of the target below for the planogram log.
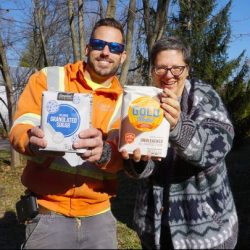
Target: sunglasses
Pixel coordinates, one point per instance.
(98, 44)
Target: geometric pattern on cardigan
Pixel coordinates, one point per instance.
(210, 242)
(199, 206)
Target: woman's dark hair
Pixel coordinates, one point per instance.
(110, 22)
(171, 43)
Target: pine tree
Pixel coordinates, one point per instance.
(208, 33)
(236, 97)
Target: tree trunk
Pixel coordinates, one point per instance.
(81, 29)
(72, 30)
(5, 127)
(101, 8)
(111, 8)
(129, 36)
(154, 32)
(36, 57)
(15, 158)
(39, 18)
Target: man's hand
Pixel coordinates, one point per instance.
(36, 141)
(36, 136)
(90, 139)
(136, 156)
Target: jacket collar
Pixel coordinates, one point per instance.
(76, 73)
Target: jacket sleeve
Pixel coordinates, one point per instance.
(28, 113)
(205, 135)
(139, 170)
(115, 163)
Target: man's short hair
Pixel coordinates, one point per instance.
(171, 43)
(110, 22)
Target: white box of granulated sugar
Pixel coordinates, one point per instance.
(142, 122)
(64, 115)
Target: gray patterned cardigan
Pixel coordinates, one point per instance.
(189, 189)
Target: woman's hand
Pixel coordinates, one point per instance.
(136, 156)
(171, 107)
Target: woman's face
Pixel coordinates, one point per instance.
(164, 78)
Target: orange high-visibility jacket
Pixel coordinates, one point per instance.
(68, 185)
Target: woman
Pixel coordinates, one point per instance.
(184, 200)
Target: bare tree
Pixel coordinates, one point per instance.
(7, 80)
(39, 13)
(39, 30)
(101, 8)
(72, 30)
(129, 39)
(81, 29)
(155, 28)
(111, 8)
(155, 23)
(15, 157)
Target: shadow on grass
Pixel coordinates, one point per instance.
(238, 164)
(123, 203)
(12, 233)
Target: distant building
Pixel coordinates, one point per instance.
(3, 108)
(19, 76)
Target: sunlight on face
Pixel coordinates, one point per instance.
(170, 58)
(102, 64)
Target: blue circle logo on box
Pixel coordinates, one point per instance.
(65, 120)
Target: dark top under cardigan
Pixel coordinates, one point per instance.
(189, 190)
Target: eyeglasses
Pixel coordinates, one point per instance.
(175, 70)
(98, 44)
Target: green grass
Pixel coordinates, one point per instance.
(127, 238)
(4, 158)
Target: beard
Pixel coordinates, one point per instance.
(100, 71)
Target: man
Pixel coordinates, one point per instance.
(73, 190)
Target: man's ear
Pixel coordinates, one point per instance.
(87, 50)
(123, 57)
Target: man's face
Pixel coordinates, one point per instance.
(103, 64)
(168, 59)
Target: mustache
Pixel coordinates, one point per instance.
(103, 58)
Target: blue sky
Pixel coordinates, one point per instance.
(240, 24)
(239, 19)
